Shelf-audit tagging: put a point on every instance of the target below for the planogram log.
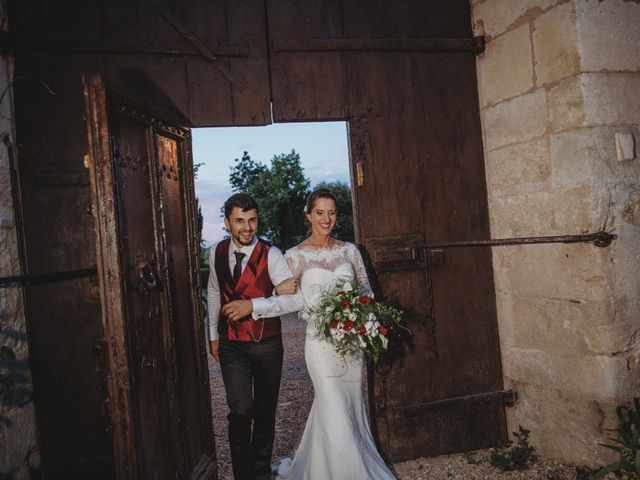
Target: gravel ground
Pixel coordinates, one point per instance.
(296, 395)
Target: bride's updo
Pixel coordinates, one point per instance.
(311, 201)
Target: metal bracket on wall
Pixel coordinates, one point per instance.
(599, 239)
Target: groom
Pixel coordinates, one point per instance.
(244, 333)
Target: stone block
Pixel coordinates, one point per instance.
(618, 337)
(557, 326)
(504, 308)
(587, 156)
(498, 16)
(17, 452)
(506, 68)
(565, 102)
(612, 98)
(609, 35)
(555, 49)
(564, 427)
(518, 169)
(570, 159)
(561, 212)
(516, 120)
(596, 377)
(571, 273)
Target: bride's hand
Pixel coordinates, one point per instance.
(287, 287)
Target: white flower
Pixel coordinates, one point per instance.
(384, 341)
(347, 287)
(372, 328)
(353, 316)
(372, 317)
(337, 334)
(329, 309)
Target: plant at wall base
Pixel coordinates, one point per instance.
(628, 445)
(518, 457)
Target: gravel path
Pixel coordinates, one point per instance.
(296, 395)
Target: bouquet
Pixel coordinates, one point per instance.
(353, 322)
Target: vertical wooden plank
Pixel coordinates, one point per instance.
(109, 270)
(306, 85)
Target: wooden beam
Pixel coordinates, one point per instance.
(474, 45)
(117, 46)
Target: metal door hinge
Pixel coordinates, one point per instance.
(360, 174)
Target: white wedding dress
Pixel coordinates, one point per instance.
(337, 443)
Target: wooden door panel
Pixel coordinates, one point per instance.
(63, 317)
(160, 380)
(147, 328)
(179, 238)
(403, 75)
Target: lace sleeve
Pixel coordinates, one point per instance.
(361, 272)
(295, 263)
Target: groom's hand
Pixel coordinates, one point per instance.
(213, 346)
(237, 309)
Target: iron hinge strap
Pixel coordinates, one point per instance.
(599, 239)
(43, 278)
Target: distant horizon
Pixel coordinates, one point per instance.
(322, 146)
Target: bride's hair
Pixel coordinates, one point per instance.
(311, 201)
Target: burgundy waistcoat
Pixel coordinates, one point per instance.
(253, 283)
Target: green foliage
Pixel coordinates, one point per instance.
(584, 473)
(519, 457)
(344, 225)
(244, 173)
(628, 445)
(281, 190)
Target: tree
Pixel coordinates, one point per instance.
(344, 225)
(280, 190)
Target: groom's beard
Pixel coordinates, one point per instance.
(241, 240)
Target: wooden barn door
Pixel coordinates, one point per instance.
(154, 345)
(403, 75)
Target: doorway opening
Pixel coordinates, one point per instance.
(291, 158)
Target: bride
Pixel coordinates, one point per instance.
(337, 442)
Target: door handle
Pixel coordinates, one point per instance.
(149, 280)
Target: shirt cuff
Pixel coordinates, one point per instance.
(213, 335)
(260, 305)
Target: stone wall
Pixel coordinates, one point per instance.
(559, 79)
(18, 442)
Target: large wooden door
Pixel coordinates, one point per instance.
(403, 75)
(147, 250)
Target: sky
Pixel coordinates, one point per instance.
(323, 149)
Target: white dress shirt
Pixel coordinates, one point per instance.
(262, 307)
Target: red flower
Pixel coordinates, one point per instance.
(334, 324)
(348, 325)
(362, 330)
(345, 304)
(365, 299)
(384, 331)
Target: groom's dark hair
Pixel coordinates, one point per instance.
(243, 201)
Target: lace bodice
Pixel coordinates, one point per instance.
(318, 268)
